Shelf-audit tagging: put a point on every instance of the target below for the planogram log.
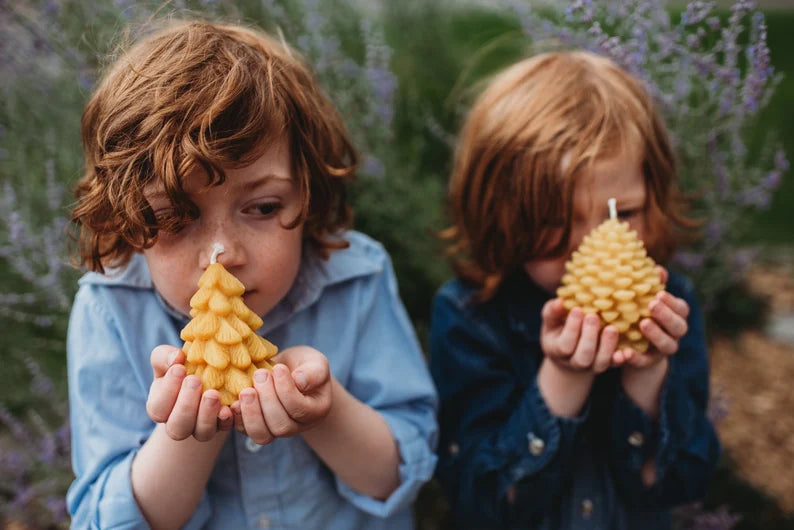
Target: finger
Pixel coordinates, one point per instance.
(569, 336)
(311, 375)
(585, 352)
(207, 419)
(253, 420)
(621, 356)
(163, 394)
(663, 274)
(553, 313)
(302, 407)
(617, 358)
(276, 416)
(678, 305)
(163, 357)
(182, 420)
(607, 344)
(237, 417)
(225, 419)
(672, 322)
(663, 342)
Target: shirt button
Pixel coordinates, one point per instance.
(587, 508)
(263, 522)
(454, 449)
(536, 445)
(636, 439)
(252, 446)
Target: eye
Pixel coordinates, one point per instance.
(627, 214)
(265, 209)
(164, 215)
(169, 222)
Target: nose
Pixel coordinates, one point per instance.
(233, 254)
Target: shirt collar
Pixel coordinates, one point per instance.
(314, 276)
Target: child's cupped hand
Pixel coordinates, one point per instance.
(292, 398)
(575, 341)
(177, 400)
(664, 329)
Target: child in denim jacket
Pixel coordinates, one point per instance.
(545, 423)
(206, 133)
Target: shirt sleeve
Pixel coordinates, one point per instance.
(682, 443)
(108, 420)
(497, 434)
(390, 374)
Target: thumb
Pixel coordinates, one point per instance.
(163, 357)
(310, 376)
(553, 314)
(663, 274)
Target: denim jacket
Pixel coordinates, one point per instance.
(505, 461)
(347, 307)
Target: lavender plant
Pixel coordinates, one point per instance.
(711, 74)
(34, 461)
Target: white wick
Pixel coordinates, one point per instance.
(613, 210)
(217, 248)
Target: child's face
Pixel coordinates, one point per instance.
(246, 215)
(620, 177)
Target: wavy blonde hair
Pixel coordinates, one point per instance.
(538, 127)
(197, 95)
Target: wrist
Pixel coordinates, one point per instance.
(564, 391)
(645, 374)
(644, 385)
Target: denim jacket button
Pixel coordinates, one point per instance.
(536, 445)
(454, 449)
(636, 439)
(587, 508)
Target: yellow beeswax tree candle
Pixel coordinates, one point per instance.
(610, 274)
(220, 343)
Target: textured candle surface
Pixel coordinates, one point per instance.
(220, 343)
(611, 275)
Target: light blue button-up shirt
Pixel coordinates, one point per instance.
(347, 307)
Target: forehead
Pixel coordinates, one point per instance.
(272, 165)
(620, 176)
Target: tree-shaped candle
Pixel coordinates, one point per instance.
(610, 274)
(220, 344)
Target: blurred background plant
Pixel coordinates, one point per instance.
(402, 74)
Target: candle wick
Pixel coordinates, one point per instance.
(217, 248)
(613, 210)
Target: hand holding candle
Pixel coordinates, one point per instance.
(220, 344)
(610, 274)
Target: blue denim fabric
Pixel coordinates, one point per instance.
(497, 434)
(347, 307)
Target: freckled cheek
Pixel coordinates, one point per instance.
(174, 281)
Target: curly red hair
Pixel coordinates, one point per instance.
(197, 95)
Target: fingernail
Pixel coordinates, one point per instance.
(653, 304)
(300, 380)
(193, 382)
(172, 357)
(247, 397)
(177, 372)
(210, 399)
(260, 376)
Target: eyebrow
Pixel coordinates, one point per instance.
(247, 186)
(255, 183)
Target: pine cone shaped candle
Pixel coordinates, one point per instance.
(220, 343)
(610, 274)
